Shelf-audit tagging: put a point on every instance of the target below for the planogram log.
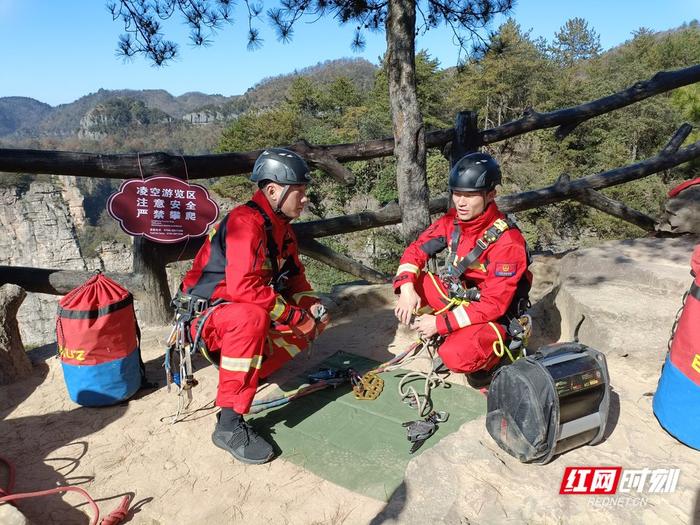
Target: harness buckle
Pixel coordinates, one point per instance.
(199, 306)
(501, 225)
(483, 245)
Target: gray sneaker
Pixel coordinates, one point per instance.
(242, 443)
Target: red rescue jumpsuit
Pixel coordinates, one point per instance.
(233, 265)
(498, 272)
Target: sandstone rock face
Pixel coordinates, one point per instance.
(9, 515)
(629, 292)
(204, 117)
(14, 363)
(74, 199)
(39, 232)
(112, 256)
(682, 212)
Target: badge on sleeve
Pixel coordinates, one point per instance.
(506, 269)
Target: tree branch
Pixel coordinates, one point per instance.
(560, 190)
(597, 200)
(569, 118)
(313, 248)
(678, 138)
(60, 282)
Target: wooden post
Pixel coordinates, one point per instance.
(466, 138)
(148, 262)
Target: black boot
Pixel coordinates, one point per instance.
(480, 378)
(235, 436)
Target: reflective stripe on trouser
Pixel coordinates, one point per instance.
(466, 349)
(239, 333)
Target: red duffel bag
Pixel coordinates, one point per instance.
(98, 343)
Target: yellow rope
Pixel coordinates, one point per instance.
(499, 343)
(450, 302)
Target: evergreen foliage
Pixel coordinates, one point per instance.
(514, 74)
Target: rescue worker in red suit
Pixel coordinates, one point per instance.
(266, 311)
(498, 276)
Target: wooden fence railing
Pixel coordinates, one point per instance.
(148, 281)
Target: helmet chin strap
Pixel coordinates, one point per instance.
(280, 201)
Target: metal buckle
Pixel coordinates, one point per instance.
(482, 244)
(199, 306)
(501, 225)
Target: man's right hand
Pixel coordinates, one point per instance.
(408, 303)
(306, 327)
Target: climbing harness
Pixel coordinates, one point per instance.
(519, 330)
(181, 346)
(491, 235)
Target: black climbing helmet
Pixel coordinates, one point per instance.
(281, 166)
(475, 172)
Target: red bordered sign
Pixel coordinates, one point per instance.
(163, 209)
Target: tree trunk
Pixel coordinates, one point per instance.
(149, 264)
(407, 121)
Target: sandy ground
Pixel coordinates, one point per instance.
(175, 475)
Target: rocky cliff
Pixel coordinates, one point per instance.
(41, 230)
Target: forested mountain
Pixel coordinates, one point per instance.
(347, 101)
(21, 113)
(22, 118)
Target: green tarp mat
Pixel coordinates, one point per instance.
(357, 444)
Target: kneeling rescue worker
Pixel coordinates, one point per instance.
(258, 308)
(483, 288)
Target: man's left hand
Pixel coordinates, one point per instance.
(425, 325)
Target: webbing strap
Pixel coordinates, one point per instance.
(491, 235)
(198, 334)
(454, 242)
(695, 291)
(271, 244)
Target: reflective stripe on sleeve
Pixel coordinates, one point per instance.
(279, 308)
(461, 316)
(240, 364)
(291, 349)
(408, 267)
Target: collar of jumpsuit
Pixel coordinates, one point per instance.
(278, 220)
(479, 224)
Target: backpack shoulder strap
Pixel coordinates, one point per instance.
(272, 250)
(491, 235)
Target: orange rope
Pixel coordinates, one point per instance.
(114, 518)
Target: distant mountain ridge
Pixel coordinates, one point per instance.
(23, 117)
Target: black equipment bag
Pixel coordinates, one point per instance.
(549, 402)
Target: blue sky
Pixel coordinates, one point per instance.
(57, 51)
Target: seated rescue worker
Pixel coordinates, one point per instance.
(483, 288)
(262, 310)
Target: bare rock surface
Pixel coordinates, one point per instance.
(38, 231)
